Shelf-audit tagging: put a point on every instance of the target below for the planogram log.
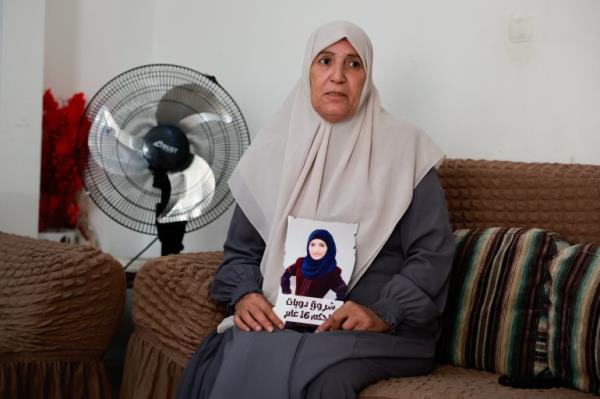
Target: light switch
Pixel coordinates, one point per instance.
(520, 29)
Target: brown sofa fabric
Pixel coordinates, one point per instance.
(563, 198)
(151, 371)
(172, 312)
(449, 382)
(59, 307)
(171, 301)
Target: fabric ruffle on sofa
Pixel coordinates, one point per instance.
(34, 377)
(148, 357)
(172, 313)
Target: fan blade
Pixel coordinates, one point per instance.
(115, 150)
(132, 134)
(193, 121)
(131, 163)
(192, 191)
(187, 100)
(196, 126)
(109, 126)
(169, 112)
(199, 144)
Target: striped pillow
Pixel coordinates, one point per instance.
(495, 314)
(574, 317)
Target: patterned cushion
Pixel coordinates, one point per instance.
(497, 302)
(574, 317)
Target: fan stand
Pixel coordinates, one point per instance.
(171, 237)
(169, 234)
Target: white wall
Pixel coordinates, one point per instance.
(88, 42)
(21, 74)
(449, 67)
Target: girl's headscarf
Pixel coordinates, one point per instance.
(316, 268)
(361, 170)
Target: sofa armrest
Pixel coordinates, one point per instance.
(171, 300)
(57, 297)
(59, 307)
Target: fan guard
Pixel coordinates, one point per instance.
(115, 167)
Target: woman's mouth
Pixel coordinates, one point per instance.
(335, 94)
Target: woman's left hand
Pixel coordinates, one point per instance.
(352, 316)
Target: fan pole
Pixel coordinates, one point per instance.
(169, 234)
(171, 237)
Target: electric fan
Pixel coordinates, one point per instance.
(156, 146)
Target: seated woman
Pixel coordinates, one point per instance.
(331, 153)
(317, 272)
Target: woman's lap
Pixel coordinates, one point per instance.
(292, 364)
(347, 378)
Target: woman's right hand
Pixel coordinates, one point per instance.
(254, 313)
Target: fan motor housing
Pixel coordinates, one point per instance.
(166, 149)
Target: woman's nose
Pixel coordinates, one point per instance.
(337, 74)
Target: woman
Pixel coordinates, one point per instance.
(331, 153)
(317, 272)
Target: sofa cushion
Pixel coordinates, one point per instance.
(496, 303)
(449, 382)
(574, 317)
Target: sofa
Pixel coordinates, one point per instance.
(59, 308)
(524, 296)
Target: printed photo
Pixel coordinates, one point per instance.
(315, 277)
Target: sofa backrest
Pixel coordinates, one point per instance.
(564, 198)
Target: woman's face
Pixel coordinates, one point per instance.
(337, 76)
(317, 249)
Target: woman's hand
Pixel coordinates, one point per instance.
(254, 312)
(352, 316)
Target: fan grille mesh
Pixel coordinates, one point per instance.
(118, 180)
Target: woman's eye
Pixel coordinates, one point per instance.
(354, 64)
(325, 61)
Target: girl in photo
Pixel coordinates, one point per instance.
(317, 272)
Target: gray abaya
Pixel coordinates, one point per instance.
(406, 286)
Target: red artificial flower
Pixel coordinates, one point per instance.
(60, 181)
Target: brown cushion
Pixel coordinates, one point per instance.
(449, 382)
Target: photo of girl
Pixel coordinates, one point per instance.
(317, 272)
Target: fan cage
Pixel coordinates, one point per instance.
(121, 189)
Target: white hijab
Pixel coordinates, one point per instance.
(361, 170)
